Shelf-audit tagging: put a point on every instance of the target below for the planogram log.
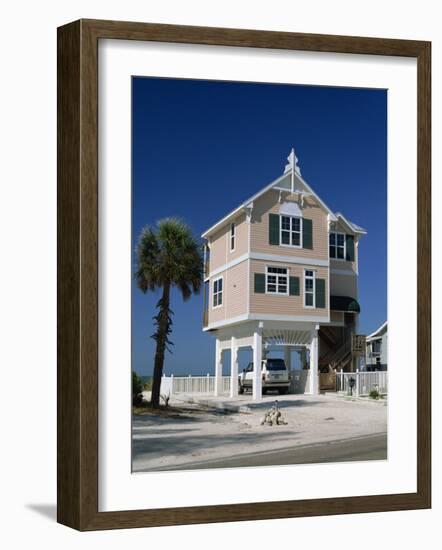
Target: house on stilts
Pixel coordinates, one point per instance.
(281, 272)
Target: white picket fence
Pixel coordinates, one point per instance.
(206, 384)
(192, 384)
(363, 382)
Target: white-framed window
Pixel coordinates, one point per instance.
(232, 236)
(337, 245)
(376, 346)
(291, 231)
(309, 288)
(277, 280)
(217, 294)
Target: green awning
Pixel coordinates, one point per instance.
(344, 303)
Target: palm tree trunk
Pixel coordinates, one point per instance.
(163, 321)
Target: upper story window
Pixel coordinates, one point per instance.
(232, 237)
(337, 246)
(376, 346)
(218, 292)
(291, 229)
(277, 280)
(309, 288)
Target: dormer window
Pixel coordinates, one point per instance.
(232, 236)
(291, 229)
(337, 246)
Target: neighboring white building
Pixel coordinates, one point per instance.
(377, 349)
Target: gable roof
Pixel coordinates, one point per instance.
(352, 226)
(291, 172)
(378, 332)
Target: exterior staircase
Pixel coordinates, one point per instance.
(337, 357)
(328, 336)
(342, 357)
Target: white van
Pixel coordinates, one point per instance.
(275, 376)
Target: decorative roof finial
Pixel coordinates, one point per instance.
(293, 163)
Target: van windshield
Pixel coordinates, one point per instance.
(275, 364)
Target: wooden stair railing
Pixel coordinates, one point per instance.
(328, 336)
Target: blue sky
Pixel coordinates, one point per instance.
(202, 147)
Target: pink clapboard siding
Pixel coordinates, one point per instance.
(337, 316)
(285, 305)
(235, 292)
(269, 203)
(220, 253)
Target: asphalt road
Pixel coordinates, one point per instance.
(372, 447)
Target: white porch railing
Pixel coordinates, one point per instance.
(192, 384)
(206, 384)
(364, 382)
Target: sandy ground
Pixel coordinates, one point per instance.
(189, 433)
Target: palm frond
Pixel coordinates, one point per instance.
(147, 272)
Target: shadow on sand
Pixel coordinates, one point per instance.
(148, 447)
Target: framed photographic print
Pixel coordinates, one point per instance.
(243, 275)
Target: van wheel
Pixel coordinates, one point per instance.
(264, 391)
(283, 391)
(241, 389)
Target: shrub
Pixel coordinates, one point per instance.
(137, 390)
(374, 394)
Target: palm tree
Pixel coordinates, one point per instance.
(167, 256)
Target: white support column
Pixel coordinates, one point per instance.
(314, 376)
(288, 357)
(288, 364)
(257, 358)
(303, 357)
(233, 368)
(218, 367)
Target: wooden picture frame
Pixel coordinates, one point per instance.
(78, 274)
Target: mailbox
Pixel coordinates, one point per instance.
(351, 385)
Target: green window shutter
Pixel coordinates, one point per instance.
(307, 233)
(320, 293)
(273, 229)
(350, 248)
(294, 286)
(260, 283)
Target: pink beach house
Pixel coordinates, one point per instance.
(281, 271)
